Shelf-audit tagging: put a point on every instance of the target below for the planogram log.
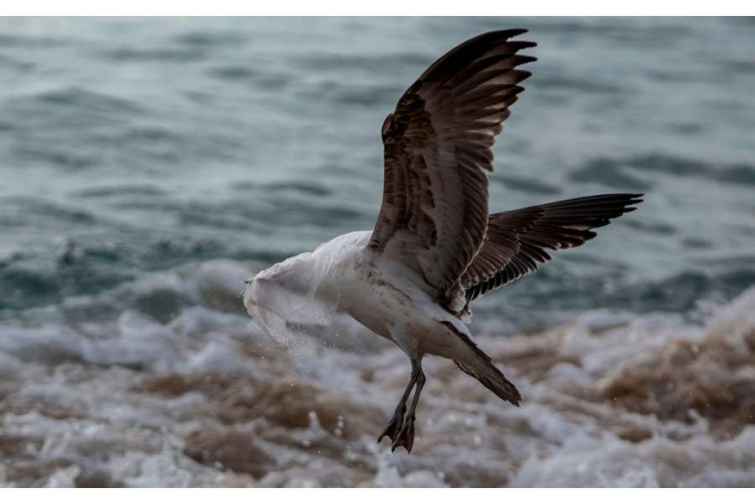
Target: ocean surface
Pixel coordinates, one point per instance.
(149, 166)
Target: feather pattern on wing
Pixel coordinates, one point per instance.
(517, 241)
(438, 150)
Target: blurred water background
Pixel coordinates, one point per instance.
(148, 166)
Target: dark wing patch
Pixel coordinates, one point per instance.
(437, 149)
(517, 241)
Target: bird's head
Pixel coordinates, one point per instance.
(272, 294)
(265, 290)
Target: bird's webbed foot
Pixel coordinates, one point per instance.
(394, 426)
(401, 427)
(405, 436)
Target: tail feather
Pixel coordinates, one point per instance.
(479, 365)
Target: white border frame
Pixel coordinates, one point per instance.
(377, 7)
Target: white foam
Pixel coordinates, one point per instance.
(80, 402)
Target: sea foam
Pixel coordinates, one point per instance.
(207, 399)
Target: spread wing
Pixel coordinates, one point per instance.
(517, 241)
(437, 148)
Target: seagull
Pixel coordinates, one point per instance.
(435, 248)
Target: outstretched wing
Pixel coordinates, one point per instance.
(517, 241)
(438, 148)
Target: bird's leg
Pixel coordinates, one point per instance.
(396, 423)
(405, 436)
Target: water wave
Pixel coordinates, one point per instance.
(204, 398)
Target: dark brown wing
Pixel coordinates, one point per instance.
(517, 241)
(438, 148)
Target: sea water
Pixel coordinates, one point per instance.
(149, 166)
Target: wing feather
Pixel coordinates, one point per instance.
(517, 241)
(438, 150)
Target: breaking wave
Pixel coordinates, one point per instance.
(201, 397)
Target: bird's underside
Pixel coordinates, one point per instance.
(434, 216)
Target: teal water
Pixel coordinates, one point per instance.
(132, 145)
(149, 166)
